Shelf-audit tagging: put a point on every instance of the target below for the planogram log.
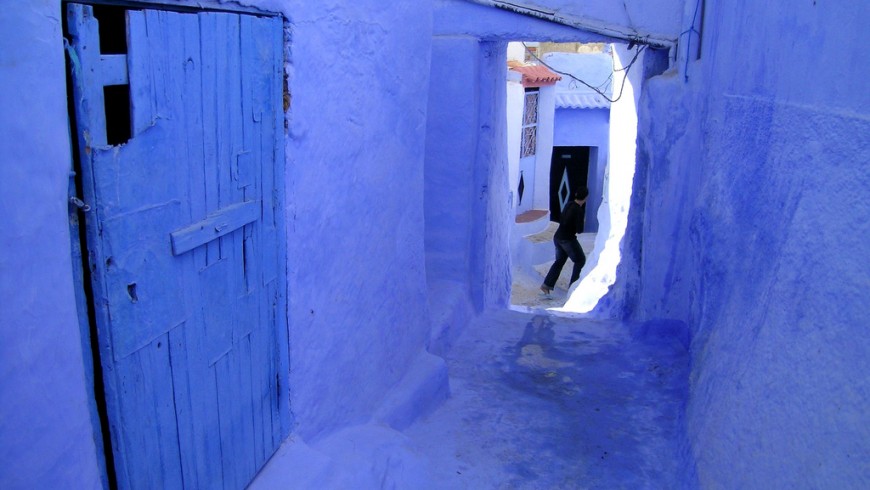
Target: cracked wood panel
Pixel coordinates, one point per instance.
(190, 323)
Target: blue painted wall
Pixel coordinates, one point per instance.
(755, 234)
(642, 16)
(581, 127)
(356, 266)
(645, 18)
(587, 127)
(467, 197)
(465, 17)
(452, 135)
(46, 436)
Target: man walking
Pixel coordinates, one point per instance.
(566, 242)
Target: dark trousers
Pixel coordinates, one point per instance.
(565, 249)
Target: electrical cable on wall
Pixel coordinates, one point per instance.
(595, 89)
(689, 31)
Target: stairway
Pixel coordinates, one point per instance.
(532, 254)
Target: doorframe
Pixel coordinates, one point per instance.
(81, 260)
(82, 282)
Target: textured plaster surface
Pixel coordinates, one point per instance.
(755, 235)
(657, 18)
(462, 16)
(660, 17)
(449, 174)
(451, 209)
(492, 199)
(357, 283)
(46, 438)
(480, 159)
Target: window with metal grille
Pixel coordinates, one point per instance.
(530, 123)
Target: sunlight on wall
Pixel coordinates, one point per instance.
(600, 271)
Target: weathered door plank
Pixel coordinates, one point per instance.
(223, 222)
(149, 418)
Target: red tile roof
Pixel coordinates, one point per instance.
(534, 75)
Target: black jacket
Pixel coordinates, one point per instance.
(569, 224)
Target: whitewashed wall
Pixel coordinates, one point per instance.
(544, 150)
(514, 113)
(605, 265)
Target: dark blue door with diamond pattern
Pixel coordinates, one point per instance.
(569, 170)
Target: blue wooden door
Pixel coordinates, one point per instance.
(179, 138)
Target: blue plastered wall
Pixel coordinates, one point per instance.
(358, 310)
(46, 435)
(587, 127)
(755, 235)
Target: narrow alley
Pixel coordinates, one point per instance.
(289, 245)
(540, 401)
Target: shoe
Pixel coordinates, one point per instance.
(546, 291)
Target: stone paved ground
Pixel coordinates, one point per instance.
(542, 402)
